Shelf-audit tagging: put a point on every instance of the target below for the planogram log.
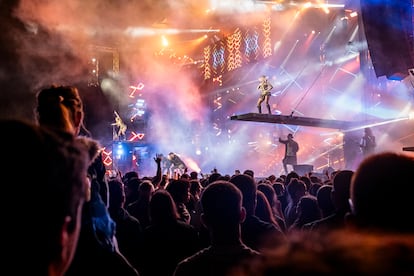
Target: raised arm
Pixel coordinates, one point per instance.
(156, 180)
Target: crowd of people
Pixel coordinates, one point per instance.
(84, 221)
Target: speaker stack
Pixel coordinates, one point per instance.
(388, 28)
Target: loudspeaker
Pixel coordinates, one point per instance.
(388, 29)
(303, 169)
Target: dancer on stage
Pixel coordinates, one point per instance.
(265, 87)
(121, 126)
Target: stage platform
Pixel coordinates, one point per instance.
(408, 149)
(299, 121)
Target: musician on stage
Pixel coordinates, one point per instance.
(368, 142)
(264, 87)
(177, 164)
(291, 149)
(165, 164)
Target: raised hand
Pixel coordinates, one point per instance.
(158, 158)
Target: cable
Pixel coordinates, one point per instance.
(307, 91)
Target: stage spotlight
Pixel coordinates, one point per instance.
(353, 14)
(120, 151)
(164, 41)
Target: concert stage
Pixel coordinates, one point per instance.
(133, 155)
(299, 121)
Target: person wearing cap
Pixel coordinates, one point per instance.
(264, 87)
(291, 149)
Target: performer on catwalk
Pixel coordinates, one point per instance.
(264, 87)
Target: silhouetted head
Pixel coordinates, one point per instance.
(248, 187)
(222, 205)
(381, 192)
(60, 107)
